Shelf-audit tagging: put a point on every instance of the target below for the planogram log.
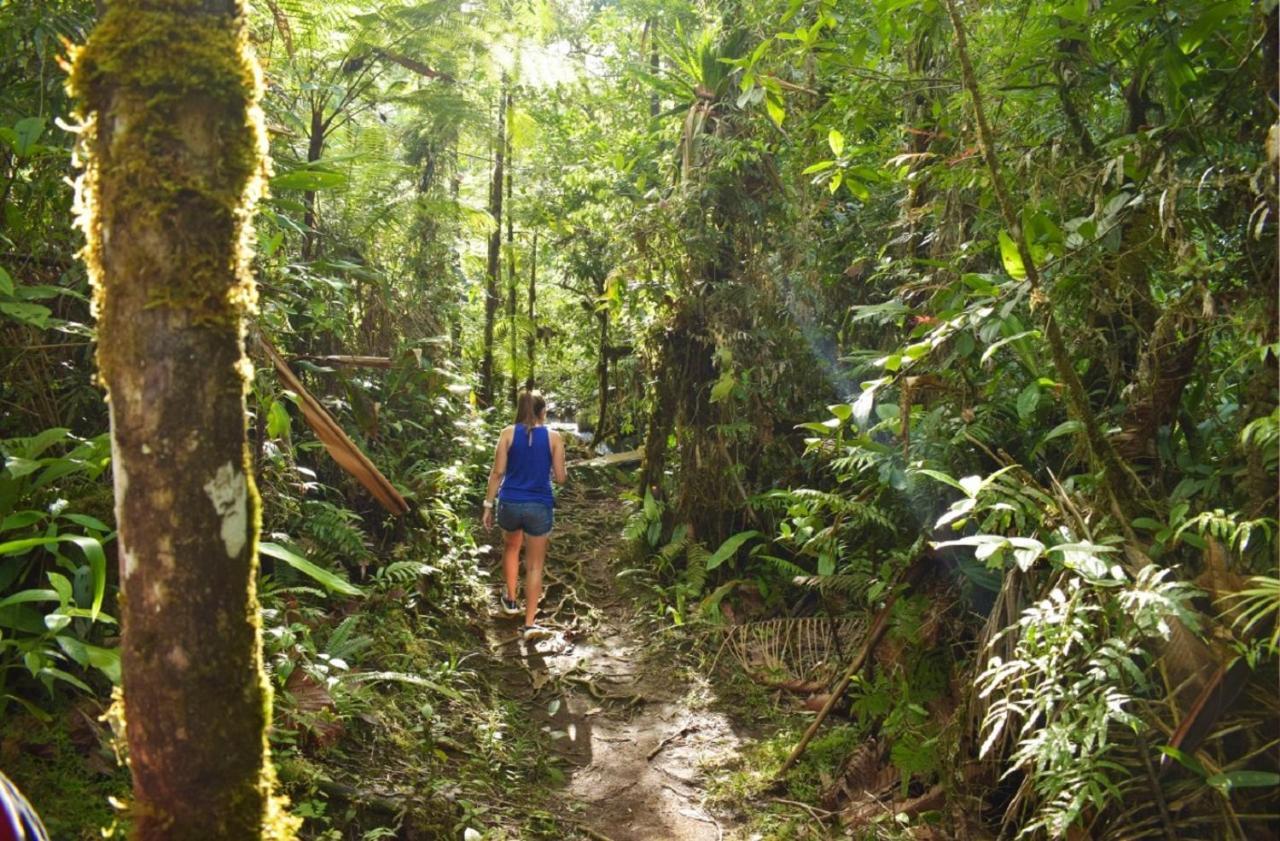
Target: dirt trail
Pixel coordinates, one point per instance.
(634, 731)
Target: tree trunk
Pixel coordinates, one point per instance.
(1117, 476)
(495, 247)
(511, 271)
(315, 147)
(655, 66)
(531, 341)
(602, 368)
(175, 157)
(455, 327)
(661, 419)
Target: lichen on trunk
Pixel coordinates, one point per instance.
(173, 156)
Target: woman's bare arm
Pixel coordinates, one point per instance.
(558, 470)
(499, 464)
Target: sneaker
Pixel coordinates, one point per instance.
(509, 606)
(532, 633)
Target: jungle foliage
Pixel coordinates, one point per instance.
(961, 313)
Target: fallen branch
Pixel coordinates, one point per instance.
(343, 450)
(874, 635)
(863, 813)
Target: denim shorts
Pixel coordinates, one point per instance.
(533, 518)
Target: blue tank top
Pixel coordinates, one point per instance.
(528, 477)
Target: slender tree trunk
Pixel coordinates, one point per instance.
(602, 368)
(1117, 475)
(661, 420)
(315, 148)
(175, 157)
(455, 327)
(655, 66)
(495, 248)
(531, 341)
(512, 339)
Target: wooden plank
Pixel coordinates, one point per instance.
(611, 460)
(348, 361)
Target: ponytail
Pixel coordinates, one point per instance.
(529, 407)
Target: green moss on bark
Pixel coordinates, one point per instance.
(173, 157)
(144, 64)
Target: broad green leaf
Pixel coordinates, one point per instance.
(93, 553)
(1028, 400)
(27, 132)
(15, 547)
(62, 585)
(87, 522)
(97, 559)
(278, 422)
(729, 548)
(1065, 428)
(1011, 258)
(29, 596)
(39, 292)
(20, 520)
(859, 190)
(836, 141)
(35, 315)
(19, 467)
(820, 166)
(319, 574)
(6, 282)
(35, 445)
(105, 660)
(939, 476)
(59, 674)
(776, 112)
(843, 411)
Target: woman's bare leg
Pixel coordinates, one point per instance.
(535, 554)
(511, 561)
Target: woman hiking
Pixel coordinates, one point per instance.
(527, 458)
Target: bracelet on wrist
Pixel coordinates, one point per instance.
(488, 503)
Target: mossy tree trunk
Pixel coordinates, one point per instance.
(531, 340)
(174, 157)
(512, 335)
(602, 368)
(495, 248)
